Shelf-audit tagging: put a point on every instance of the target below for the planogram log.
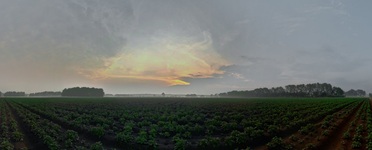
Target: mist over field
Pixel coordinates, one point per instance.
(202, 47)
(185, 74)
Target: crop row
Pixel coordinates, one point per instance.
(304, 137)
(180, 124)
(9, 129)
(369, 127)
(49, 134)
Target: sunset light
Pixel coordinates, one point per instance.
(169, 62)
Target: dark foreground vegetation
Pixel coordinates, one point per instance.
(166, 123)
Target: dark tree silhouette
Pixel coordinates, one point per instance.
(355, 93)
(191, 95)
(13, 93)
(83, 92)
(301, 90)
(46, 93)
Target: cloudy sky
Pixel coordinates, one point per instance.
(183, 46)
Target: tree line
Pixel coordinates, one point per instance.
(355, 93)
(300, 90)
(46, 93)
(83, 92)
(14, 93)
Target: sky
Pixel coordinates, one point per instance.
(183, 46)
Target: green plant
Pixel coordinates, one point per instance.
(97, 131)
(17, 136)
(346, 135)
(50, 142)
(6, 145)
(96, 146)
(142, 137)
(310, 146)
(293, 138)
(325, 133)
(180, 144)
(72, 135)
(356, 144)
(124, 138)
(277, 143)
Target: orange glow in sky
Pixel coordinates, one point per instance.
(169, 62)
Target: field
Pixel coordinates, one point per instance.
(185, 123)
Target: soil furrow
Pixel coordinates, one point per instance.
(334, 141)
(28, 139)
(108, 144)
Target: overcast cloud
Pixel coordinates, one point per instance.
(183, 46)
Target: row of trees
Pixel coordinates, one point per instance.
(46, 93)
(13, 93)
(301, 90)
(83, 92)
(73, 92)
(355, 93)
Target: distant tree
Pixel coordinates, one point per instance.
(83, 92)
(1, 94)
(351, 92)
(109, 95)
(301, 90)
(361, 93)
(337, 91)
(46, 93)
(13, 93)
(355, 93)
(163, 94)
(191, 95)
(370, 95)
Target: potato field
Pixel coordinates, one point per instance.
(185, 123)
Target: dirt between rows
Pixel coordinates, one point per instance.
(335, 140)
(312, 138)
(108, 142)
(26, 143)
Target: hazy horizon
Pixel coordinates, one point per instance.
(183, 47)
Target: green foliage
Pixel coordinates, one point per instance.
(223, 123)
(209, 142)
(293, 138)
(124, 137)
(97, 131)
(96, 146)
(51, 143)
(72, 135)
(277, 144)
(369, 146)
(307, 129)
(325, 132)
(142, 137)
(310, 146)
(17, 136)
(356, 144)
(6, 145)
(180, 144)
(346, 135)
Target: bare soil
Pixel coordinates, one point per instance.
(335, 140)
(315, 137)
(26, 143)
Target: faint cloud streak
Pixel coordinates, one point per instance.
(169, 61)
